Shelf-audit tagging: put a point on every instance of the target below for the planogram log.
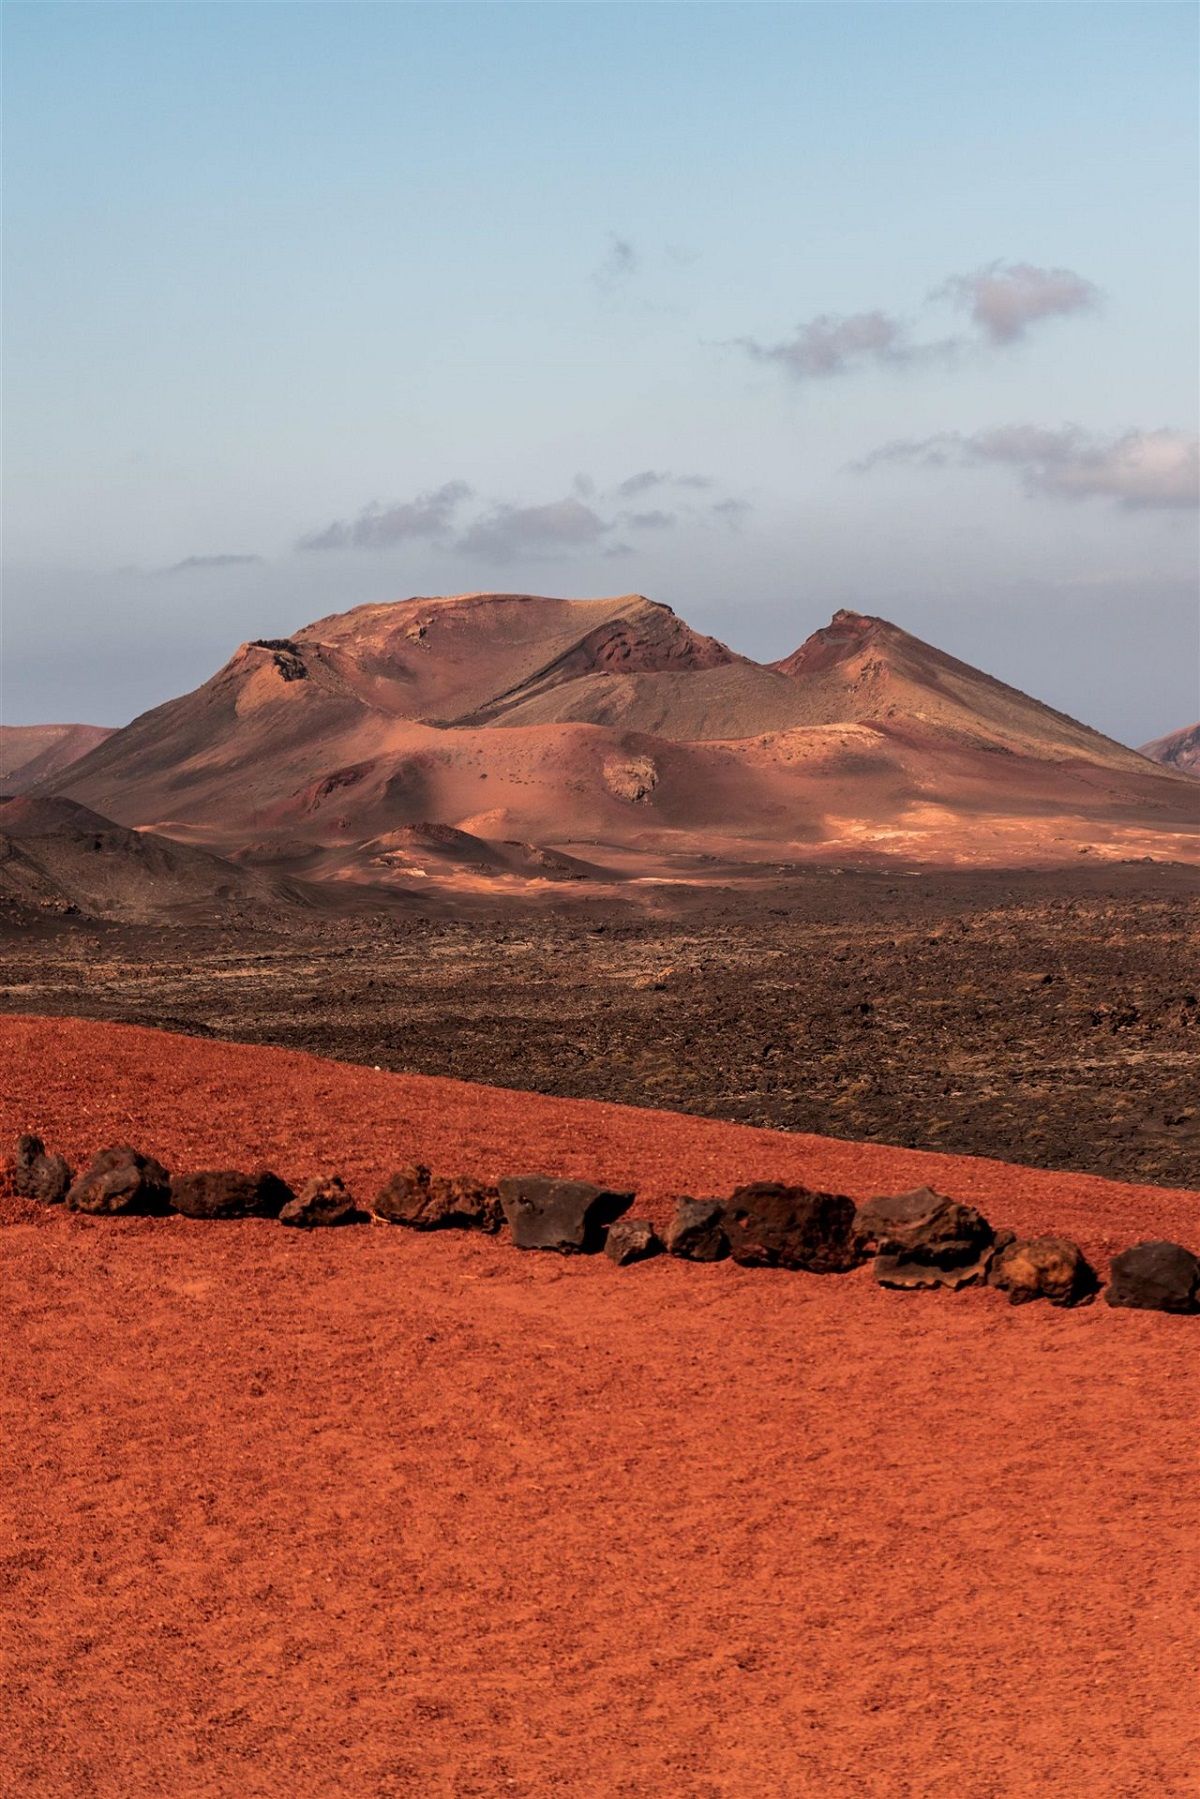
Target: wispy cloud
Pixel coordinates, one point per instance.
(429, 515)
(1137, 470)
(1004, 301)
(190, 563)
(619, 264)
(1006, 298)
(653, 520)
(515, 530)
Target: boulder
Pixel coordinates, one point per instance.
(771, 1225)
(631, 1240)
(226, 1193)
(697, 1231)
(427, 1202)
(323, 1201)
(1155, 1277)
(1050, 1268)
(35, 1175)
(120, 1180)
(568, 1216)
(925, 1240)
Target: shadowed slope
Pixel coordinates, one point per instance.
(1178, 750)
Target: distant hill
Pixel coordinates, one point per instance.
(611, 732)
(57, 856)
(1179, 750)
(30, 752)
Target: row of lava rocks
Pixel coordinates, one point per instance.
(916, 1239)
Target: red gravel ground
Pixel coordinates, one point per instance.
(367, 1513)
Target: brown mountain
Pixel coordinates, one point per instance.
(1179, 750)
(29, 753)
(57, 856)
(611, 733)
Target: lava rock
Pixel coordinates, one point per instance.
(568, 1216)
(697, 1231)
(226, 1193)
(1050, 1268)
(426, 1202)
(323, 1201)
(120, 1180)
(631, 1240)
(1155, 1277)
(925, 1239)
(35, 1175)
(771, 1225)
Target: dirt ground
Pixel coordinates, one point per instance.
(1051, 1019)
(367, 1513)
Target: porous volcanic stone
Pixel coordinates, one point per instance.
(631, 1240)
(568, 1216)
(226, 1193)
(427, 1202)
(38, 1176)
(323, 1201)
(1155, 1277)
(120, 1180)
(697, 1231)
(770, 1225)
(925, 1239)
(1050, 1268)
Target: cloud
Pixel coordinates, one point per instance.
(194, 562)
(649, 478)
(1137, 470)
(515, 530)
(378, 527)
(832, 344)
(1005, 299)
(650, 521)
(620, 263)
(731, 511)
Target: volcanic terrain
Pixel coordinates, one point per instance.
(370, 1512)
(1178, 749)
(453, 743)
(29, 753)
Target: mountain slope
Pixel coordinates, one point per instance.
(1179, 750)
(29, 753)
(609, 730)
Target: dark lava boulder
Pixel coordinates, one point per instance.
(697, 1231)
(631, 1240)
(226, 1193)
(771, 1225)
(35, 1175)
(568, 1216)
(1050, 1268)
(428, 1202)
(323, 1201)
(925, 1239)
(1155, 1277)
(120, 1180)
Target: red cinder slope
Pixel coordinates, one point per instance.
(362, 1512)
(1179, 750)
(28, 753)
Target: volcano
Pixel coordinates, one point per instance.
(485, 737)
(1179, 750)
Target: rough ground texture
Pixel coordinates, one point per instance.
(1051, 1019)
(370, 1512)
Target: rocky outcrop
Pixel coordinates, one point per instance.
(924, 1239)
(227, 1193)
(631, 1240)
(35, 1175)
(568, 1216)
(770, 1225)
(1155, 1277)
(426, 1202)
(697, 1231)
(1050, 1268)
(323, 1201)
(121, 1180)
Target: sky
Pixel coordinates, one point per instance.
(761, 310)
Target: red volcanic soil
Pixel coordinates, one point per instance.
(368, 1513)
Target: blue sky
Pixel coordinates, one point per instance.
(895, 302)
